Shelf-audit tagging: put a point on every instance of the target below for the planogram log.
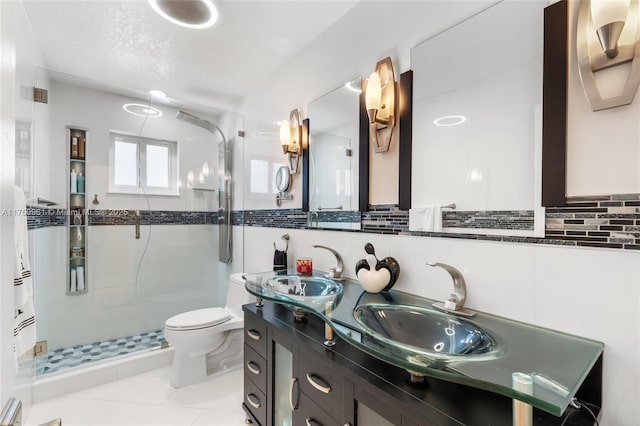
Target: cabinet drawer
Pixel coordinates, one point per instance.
(321, 382)
(255, 368)
(255, 334)
(255, 400)
(309, 413)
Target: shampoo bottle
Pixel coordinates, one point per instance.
(80, 185)
(74, 181)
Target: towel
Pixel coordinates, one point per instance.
(279, 260)
(24, 330)
(426, 219)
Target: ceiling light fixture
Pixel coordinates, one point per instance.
(157, 93)
(354, 85)
(449, 120)
(196, 14)
(141, 110)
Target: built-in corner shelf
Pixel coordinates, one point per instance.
(77, 218)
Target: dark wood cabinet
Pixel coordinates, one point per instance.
(291, 378)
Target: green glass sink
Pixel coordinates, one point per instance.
(429, 338)
(309, 291)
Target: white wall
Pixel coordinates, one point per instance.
(589, 292)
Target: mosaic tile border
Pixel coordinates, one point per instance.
(73, 356)
(38, 217)
(617, 218)
(604, 221)
(291, 218)
(611, 221)
(521, 220)
(42, 217)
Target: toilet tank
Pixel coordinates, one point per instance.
(237, 295)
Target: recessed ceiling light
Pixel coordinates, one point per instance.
(354, 85)
(141, 110)
(197, 14)
(157, 93)
(449, 120)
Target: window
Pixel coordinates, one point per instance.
(137, 163)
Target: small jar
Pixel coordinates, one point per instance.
(304, 265)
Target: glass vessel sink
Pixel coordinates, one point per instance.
(406, 331)
(309, 291)
(429, 337)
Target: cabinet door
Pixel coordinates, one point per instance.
(364, 409)
(281, 383)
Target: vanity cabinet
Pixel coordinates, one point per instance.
(307, 383)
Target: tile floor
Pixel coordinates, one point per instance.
(74, 356)
(147, 399)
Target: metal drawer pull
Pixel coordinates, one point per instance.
(253, 400)
(254, 334)
(322, 387)
(311, 422)
(253, 367)
(293, 382)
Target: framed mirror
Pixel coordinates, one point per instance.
(477, 122)
(333, 156)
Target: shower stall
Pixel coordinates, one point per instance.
(150, 226)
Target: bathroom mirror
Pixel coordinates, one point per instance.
(477, 121)
(333, 157)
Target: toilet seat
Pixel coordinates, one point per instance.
(198, 319)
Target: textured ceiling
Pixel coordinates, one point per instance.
(126, 44)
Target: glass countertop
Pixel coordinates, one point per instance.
(551, 364)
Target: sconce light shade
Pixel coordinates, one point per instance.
(373, 96)
(607, 36)
(381, 100)
(608, 17)
(291, 139)
(284, 135)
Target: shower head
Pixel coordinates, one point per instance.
(197, 121)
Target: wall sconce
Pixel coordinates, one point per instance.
(291, 139)
(381, 104)
(607, 36)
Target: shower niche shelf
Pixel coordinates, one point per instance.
(77, 225)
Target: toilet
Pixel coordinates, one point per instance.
(207, 340)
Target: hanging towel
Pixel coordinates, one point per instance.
(24, 330)
(426, 219)
(279, 260)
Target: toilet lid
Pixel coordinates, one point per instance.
(200, 318)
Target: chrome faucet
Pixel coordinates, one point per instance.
(336, 272)
(455, 303)
(310, 217)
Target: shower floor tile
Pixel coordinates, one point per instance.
(74, 356)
